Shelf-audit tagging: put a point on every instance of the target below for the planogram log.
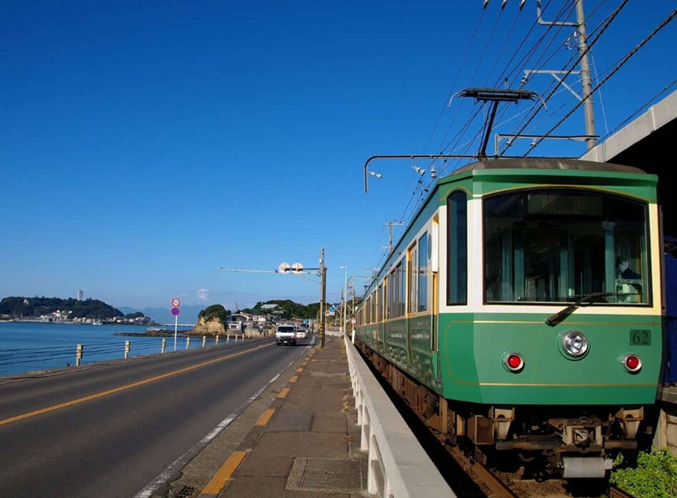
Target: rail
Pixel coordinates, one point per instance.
(398, 465)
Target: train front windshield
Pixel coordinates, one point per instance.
(557, 246)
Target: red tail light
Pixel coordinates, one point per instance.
(513, 362)
(632, 363)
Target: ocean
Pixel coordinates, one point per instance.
(30, 347)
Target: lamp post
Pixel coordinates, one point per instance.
(345, 298)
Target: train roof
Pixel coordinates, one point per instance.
(548, 163)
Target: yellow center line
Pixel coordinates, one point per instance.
(283, 393)
(224, 473)
(265, 417)
(122, 388)
(294, 378)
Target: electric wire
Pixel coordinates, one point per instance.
(608, 22)
(554, 82)
(453, 84)
(618, 66)
(454, 142)
(521, 64)
(641, 108)
(502, 49)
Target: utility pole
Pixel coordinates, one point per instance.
(323, 298)
(586, 81)
(390, 225)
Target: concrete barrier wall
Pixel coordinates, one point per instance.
(666, 433)
(398, 465)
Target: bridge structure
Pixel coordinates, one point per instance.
(647, 143)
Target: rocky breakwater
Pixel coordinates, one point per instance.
(211, 321)
(209, 328)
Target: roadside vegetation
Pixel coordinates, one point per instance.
(655, 475)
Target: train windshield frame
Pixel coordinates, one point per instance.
(553, 246)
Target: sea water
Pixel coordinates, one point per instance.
(30, 347)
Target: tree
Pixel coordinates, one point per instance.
(214, 312)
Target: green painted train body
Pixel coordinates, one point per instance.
(538, 235)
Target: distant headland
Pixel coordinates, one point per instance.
(57, 310)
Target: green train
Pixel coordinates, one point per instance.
(521, 312)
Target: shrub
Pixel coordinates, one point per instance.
(654, 477)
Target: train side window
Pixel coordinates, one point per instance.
(389, 296)
(457, 267)
(402, 289)
(411, 278)
(366, 311)
(392, 288)
(384, 298)
(374, 303)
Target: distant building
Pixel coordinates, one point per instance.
(80, 295)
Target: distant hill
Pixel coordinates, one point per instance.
(27, 307)
(289, 307)
(162, 315)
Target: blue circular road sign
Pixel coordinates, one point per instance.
(176, 311)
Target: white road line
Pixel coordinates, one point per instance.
(184, 459)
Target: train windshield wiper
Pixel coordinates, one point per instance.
(580, 302)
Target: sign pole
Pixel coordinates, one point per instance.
(176, 302)
(176, 327)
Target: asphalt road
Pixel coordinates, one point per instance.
(107, 430)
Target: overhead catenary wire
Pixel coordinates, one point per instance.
(418, 194)
(502, 49)
(607, 23)
(516, 71)
(618, 66)
(469, 121)
(555, 83)
(552, 87)
(453, 84)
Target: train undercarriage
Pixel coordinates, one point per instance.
(564, 441)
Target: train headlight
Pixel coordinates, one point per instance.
(575, 344)
(631, 363)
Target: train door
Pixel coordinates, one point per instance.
(433, 249)
(412, 281)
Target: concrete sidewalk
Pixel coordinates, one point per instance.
(302, 444)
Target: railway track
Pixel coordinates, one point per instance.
(617, 493)
(482, 475)
(494, 486)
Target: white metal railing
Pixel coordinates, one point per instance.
(398, 466)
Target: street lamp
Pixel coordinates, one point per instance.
(345, 297)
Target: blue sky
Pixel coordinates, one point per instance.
(145, 144)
